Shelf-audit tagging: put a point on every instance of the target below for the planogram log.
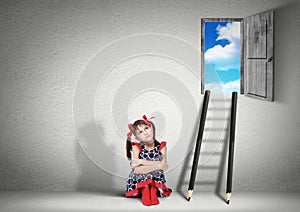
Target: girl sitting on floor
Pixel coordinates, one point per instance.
(148, 162)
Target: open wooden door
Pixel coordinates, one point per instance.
(259, 53)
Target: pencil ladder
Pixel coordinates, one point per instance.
(199, 142)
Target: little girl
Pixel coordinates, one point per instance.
(148, 162)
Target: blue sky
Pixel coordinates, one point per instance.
(222, 56)
(211, 35)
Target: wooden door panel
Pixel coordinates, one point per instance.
(259, 47)
(257, 36)
(257, 79)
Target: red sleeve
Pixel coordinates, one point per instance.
(136, 144)
(162, 145)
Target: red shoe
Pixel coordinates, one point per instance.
(167, 192)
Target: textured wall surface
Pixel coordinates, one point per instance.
(46, 47)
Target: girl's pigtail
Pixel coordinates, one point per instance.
(128, 142)
(128, 148)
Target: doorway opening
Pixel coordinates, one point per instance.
(222, 55)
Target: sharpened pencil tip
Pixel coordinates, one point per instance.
(228, 196)
(190, 192)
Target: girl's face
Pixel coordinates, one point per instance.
(144, 133)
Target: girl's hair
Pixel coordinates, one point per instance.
(134, 130)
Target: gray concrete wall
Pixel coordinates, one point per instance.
(47, 47)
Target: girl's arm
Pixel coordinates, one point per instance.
(138, 162)
(141, 166)
(164, 154)
(164, 157)
(147, 169)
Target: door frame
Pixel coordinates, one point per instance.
(241, 20)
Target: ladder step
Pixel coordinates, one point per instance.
(211, 153)
(206, 167)
(203, 182)
(215, 129)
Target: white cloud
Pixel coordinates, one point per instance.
(226, 88)
(230, 32)
(227, 57)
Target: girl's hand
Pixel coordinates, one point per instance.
(136, 162)
(164, 166)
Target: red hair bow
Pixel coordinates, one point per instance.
(147, 120)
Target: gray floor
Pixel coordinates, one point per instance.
(93, 201)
